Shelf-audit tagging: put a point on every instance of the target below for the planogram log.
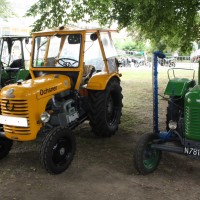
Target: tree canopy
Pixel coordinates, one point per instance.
(172, 23)
(5, 9)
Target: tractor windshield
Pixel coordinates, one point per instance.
(57, 51)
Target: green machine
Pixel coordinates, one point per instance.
(14, 58)
(182, 134)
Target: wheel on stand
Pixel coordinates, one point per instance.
(57, 150)
(146, 159)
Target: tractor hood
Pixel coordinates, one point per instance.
(42, 86)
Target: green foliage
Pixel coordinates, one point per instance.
(127, 44)
(5, 11)
(172, 23)
(51, 13)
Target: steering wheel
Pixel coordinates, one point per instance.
(65, 63)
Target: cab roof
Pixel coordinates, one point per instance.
(14, 37)
(70, 29)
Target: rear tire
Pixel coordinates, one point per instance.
(5, 146)
(106, 109)
(146, 159)
(57, 150)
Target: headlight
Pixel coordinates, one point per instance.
(172, 125)
(45, 117)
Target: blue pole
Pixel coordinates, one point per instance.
(156, 55)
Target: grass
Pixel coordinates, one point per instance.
(137, 91)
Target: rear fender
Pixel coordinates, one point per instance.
(100, 80)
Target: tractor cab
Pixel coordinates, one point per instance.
(14, 58)
(78, 54)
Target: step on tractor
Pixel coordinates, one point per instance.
(14, 58)
(182, 134)
(74, 77)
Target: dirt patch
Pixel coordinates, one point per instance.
(102, 169)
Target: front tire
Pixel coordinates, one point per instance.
(106, 109)
(57, 150)
(5, 146)
(146, 159)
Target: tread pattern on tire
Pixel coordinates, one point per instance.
(44, 156)
(97, 111)
(7, 147)
(138, 154)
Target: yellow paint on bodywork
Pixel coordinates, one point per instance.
(99, 81)
(29, 101)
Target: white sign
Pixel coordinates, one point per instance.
(13, 121)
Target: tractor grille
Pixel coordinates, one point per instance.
(192, 125)
(17, 108)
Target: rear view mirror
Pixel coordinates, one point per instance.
(10, 44)
(74, 39)
(27, 40)
(93, 36)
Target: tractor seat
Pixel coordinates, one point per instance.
(12, 70)
(17, 64)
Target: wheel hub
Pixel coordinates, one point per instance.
(62, 151)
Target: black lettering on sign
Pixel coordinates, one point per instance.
(48, 90)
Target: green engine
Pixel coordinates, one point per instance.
(192, 114)
(184, 106)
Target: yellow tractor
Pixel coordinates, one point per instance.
(74, 77)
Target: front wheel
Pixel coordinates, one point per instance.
(146, 159)
(5, 146)
(57, 150)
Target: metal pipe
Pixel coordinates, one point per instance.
(169, 148)
(156, 55)
(155, 93)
